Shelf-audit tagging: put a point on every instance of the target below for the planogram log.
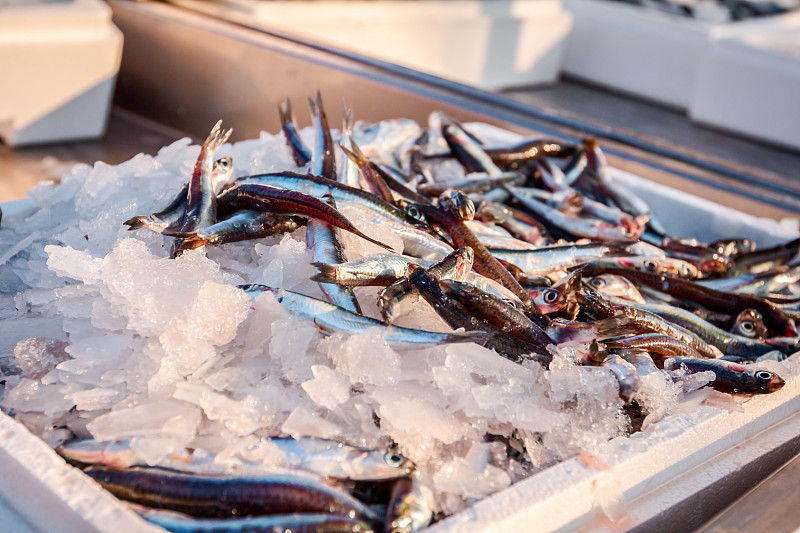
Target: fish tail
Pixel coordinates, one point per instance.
(478, 337)
(285, 111)
(326, 274)
(190, 241)
(218, 136)
(135, 223)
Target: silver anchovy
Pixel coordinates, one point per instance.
(331, 319)
(558, 257)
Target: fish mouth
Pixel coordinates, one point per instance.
(776, 383)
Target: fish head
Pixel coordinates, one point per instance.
(767, 381)
(464, 259)
(548, 300)
(458, 204)
(254, 289)
(750, 323)
(398, 463)
(715, 264)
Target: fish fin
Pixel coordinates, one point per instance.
(379, 243)
(326, 274)
(612, 328)
(478, 337)
(192, 241)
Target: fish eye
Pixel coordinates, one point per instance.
(393, 459)
(590, 292)
(763, 375)
(597, 282)
(550, 296)
(413, 212)
(747, 326)
(650, 265)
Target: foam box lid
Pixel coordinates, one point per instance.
(40, 19)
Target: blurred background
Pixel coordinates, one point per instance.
(696, 94)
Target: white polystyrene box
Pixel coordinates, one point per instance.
(749, 80)
(486, 44)
(60, 60)
(637, 50)
(631, 479)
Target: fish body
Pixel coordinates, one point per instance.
(241, 226)
(294, 523)
(655, 343)
(546, 259)
(201, 201)
(625, 373)
(331, 319)
(730, 376)
(227, 496)
(323, 158)
(277, 200)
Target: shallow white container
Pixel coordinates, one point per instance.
(673, 464)
(60, 60)
(486, 44)
(749, 80)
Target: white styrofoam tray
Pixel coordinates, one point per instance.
(633, 479)
(61, 60)
(749, 80)
(486, 44)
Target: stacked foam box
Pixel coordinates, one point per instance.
(676, 463)
(742, 76)
(486, 44)
(60, 60)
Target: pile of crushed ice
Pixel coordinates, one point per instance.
(103, 336)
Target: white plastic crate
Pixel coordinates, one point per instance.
(60, 60)
(632, 480)
(749, 80)
(636, 50)
(486, 44)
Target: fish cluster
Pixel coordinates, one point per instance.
(514, 296)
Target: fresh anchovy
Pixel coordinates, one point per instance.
(656, 265)
(372, 177)
(227, 496)
(300, 152)
(472, 183)
(501, 315)
(643, 321)
(566, 201)
(323, 239)
(323, 159)
(498, 242)
(377, 269)
(294, 523)
(519, 154)
(727, 343)
(323, 457)
(774, 318)
(457, 315)
(330, 319)
(467, 150)
(621, 196)
(201, 201)
(575, 167)
(626, 375)
(750, 324)
(484, 263)
(171, 218)
(455, 266)
(417, 242)
(504, 217)
(618, 286)
(277, 200)
(731, 377)
(410, 507)
(612, 215)
(774, 256)
(655, 343)
(761, 284)
(581, 227)
(558, 257)
(241, 226)
(704, 257)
